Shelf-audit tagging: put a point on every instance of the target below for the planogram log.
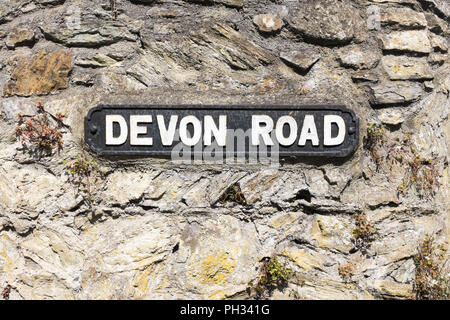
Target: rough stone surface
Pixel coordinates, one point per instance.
(439, 43)
(403, 68)
(391, 117)
(303, 60)
(153, 229)
(396, 92)
(358, 58)
(87, 30)
(40, 74)
(410, 41)
(19, 37)
(437, 58)
(328, 21)
(268, 22)
(10, 9)
(442, 6)
(97, 61)
(437, 25)
(230, 3)
(404, 18)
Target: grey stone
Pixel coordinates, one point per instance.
(19, 37)
(91, 31)
(406, 2)
(146, 72)
(11, 107)
(437, 58)
(410, 41)
(357, 58)
(404, 272)
(268, 22)
(443, 6)
(29, 7)
(429, 85)
(436, 25)
(365, 76)
(395, 92)
(230, 3)
(83, 79)
(403, 17)
(10, 9)
(50, 2)
(439, 43)
(405, 68)
(391, 117)
(123, 188)
(232, 47)
(435, 109)
(327, 21)
(97, 61)
(303, 60)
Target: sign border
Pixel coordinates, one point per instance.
(343, 153)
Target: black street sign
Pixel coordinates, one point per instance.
(160, 130)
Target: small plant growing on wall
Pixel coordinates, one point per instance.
(81, 171)
(40, 134)
(233, 194)
(364, 233)
(432, 283)
(421, 175)
(346, 271)
(374, 139)
(6, 291)
(273, 275)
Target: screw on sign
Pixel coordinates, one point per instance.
(6, 291)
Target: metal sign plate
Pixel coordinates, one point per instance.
(151, 122)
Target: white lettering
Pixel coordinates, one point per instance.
(328, 120)
(264, 132)
(136, 130)
(309, 132)
(110, 139)
(167, 135)
(187, 140)
(219, 133)
(290, 140)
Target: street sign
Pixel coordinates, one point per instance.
(158, 130)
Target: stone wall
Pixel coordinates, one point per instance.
(157, 230)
